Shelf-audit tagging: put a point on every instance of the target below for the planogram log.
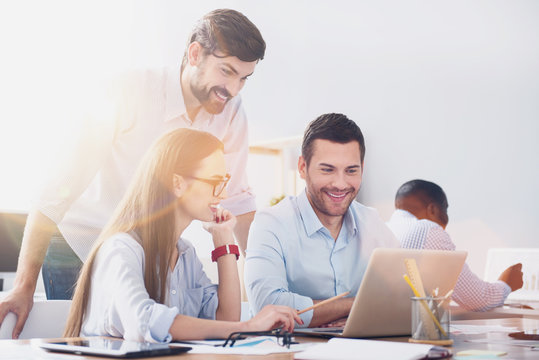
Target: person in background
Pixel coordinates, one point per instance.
(419, 222)
(142, 281)
(222, 52)
(314, 246)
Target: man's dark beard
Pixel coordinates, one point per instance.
(204, 97)
(317, 201)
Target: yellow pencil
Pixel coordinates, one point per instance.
(323, 302)
(425, 305)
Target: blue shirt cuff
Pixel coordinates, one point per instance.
(300, 303)
(159, 323)
(506, 289)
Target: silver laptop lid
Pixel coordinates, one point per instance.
(382, 306)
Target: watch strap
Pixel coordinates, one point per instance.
(224, 250)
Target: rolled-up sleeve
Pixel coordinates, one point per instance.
(119, 302)
(265, 270)
(159, 323)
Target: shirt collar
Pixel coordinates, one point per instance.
(174, 103)
(403, 214)
(310, 219)
(313, 224)
(182, 246)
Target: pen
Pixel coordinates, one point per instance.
(446, 297)
(323, 302)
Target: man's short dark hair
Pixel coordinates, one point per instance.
(229, 32)
(333, 127)
(426, 191)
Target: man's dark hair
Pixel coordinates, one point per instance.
(333, 127)
(426, 191)
(229, 32)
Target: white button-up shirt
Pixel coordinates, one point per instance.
(144, 106)
(292, 258)
(470, 292)
(119, 304)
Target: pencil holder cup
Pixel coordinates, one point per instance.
(430, 320)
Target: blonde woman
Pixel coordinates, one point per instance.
(142, 281)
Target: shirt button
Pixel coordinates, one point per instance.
(173, 292)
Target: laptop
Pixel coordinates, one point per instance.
(382, 306)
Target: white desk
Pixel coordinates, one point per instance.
(491, 341)
(458, 313)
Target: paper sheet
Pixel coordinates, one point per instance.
(480, 329)
(348, 349)
(259, 345)
(512, 342)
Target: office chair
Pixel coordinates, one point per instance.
(46, 320)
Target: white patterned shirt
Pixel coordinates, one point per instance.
(470, 292)
(141, 107)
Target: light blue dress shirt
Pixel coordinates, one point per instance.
(292, 258)
(119, 304)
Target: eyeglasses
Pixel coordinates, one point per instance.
(218, 184)
(284, 338)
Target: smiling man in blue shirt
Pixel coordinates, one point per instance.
(317, 245)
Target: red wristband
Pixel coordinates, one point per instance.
(225, 249)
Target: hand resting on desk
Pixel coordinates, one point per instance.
(336, 323)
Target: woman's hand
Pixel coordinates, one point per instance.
(222, 227)
(274, 316)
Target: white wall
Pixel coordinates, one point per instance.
(447, 91)
(444, 91)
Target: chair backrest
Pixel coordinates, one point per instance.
(46, 320)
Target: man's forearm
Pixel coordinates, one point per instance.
(36, 239)
(241, 230)
(331, 311)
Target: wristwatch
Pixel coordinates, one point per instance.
(225, 249)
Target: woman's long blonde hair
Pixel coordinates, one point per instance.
(147, 210)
